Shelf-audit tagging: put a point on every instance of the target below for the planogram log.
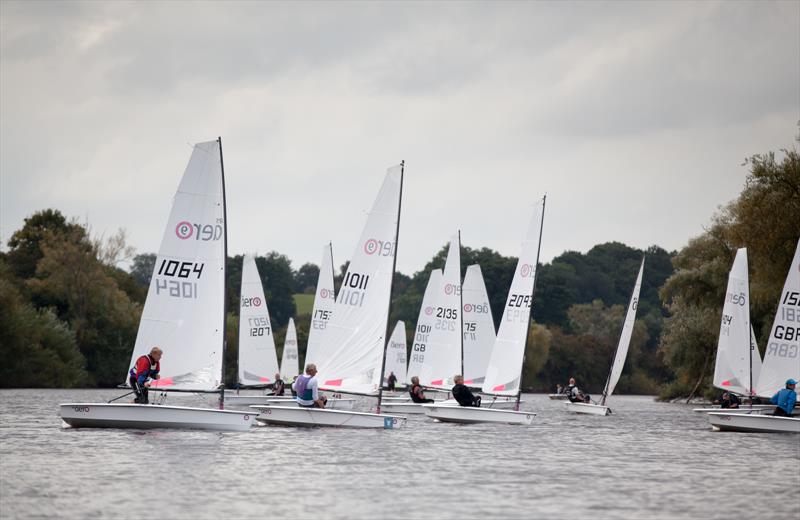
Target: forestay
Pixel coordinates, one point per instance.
(782, 355)
(624, 337)
(443, 352)
(479, 333)
(505, 364)
(396, 354)
(736, 348)
(324, 300)
(356, 333)
(419, 349)
(183, 313)
(290, 363)
(258, 361)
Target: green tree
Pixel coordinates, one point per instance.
(142, 268)
(38, 349)
(305, 280)
(25, 248)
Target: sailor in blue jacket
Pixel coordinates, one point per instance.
(785, 399)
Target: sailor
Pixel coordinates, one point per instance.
(278, 387)
(307, 389)
(391, 381)
(147, 367)
(462, 394)
(416, 393)
(573, 393)
(785, 399)
(729, 400)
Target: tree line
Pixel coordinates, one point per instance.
(69, 314)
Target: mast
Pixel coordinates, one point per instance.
(614, 358)
(530, 314)
(386, 338)
(224, 278)
(460, 304)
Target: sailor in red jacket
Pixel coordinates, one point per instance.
(147, 367)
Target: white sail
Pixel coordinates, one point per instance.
(505, 364)
(736, 347)
(419, 349)
(183, 313)
(356, 334)
(443, 355)
(258, 362)
(782, 355)
(396, 354)
(624, 337)
(324, 300)
(290, 363)
(479, 333)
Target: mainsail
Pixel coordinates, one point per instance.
(782, 355)
(738, 362)
(479, 333)
(505, 364)
(396, 354)
(258, 362)
(624, 337)
(290, 362)
(183, 313)
(356, 334)
(324, 300)
(419, 349)
(443, 355)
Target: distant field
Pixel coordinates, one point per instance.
(304, 303)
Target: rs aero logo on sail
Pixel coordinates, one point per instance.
(204, 232)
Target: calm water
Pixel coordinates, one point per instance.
(648, 460)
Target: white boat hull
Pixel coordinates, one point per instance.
(314, 417)
(472, 415)
(557, 397)
(247, 400)
(587, 408)
(408, 408)
(755, 423)
(757, 408)
(486, 402)
(113, 415)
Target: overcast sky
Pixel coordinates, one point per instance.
(634, 117)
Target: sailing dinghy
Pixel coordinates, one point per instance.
(781, 362)
(738, 362)
(184, 313)
(504, 372)
(359, 327)
(619, 357)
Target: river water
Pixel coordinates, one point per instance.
(647, 460)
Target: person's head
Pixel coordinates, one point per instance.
(311, 369)
(156, 353)
(790, 383)
(391, 372)
(277, 376)
(458, 379)
(572, 380)
(415, 380)
(726, 396)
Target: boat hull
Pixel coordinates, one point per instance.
(753, 423)
(588, 409)
(758, 408)
(332, 404)
(321, 417)
(137, 416)
(403, 408)
(557, 397)
(472, 415)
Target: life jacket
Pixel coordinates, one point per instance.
(414, 392)
(145, 368)
(301, 388)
